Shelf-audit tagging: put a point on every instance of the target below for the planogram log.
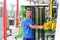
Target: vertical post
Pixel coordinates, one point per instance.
(51, 12)
(43, 19)
(39, 21)
(4, 19)
(50, 8)
(17, 13)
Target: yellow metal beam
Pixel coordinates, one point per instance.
(50, 8)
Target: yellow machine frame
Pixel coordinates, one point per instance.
(51, 24)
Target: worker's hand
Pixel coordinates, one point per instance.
(40, 27)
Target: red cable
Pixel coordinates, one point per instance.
(37, 1)
(30, 2)
(17, 13)
(4, 19)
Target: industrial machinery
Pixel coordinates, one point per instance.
(42, 14)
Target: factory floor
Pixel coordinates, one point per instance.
(15, 32)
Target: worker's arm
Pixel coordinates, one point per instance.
(24, 23)
(35, 27)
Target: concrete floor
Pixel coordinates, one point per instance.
(15, 33)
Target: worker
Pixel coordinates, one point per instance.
(28, 26)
